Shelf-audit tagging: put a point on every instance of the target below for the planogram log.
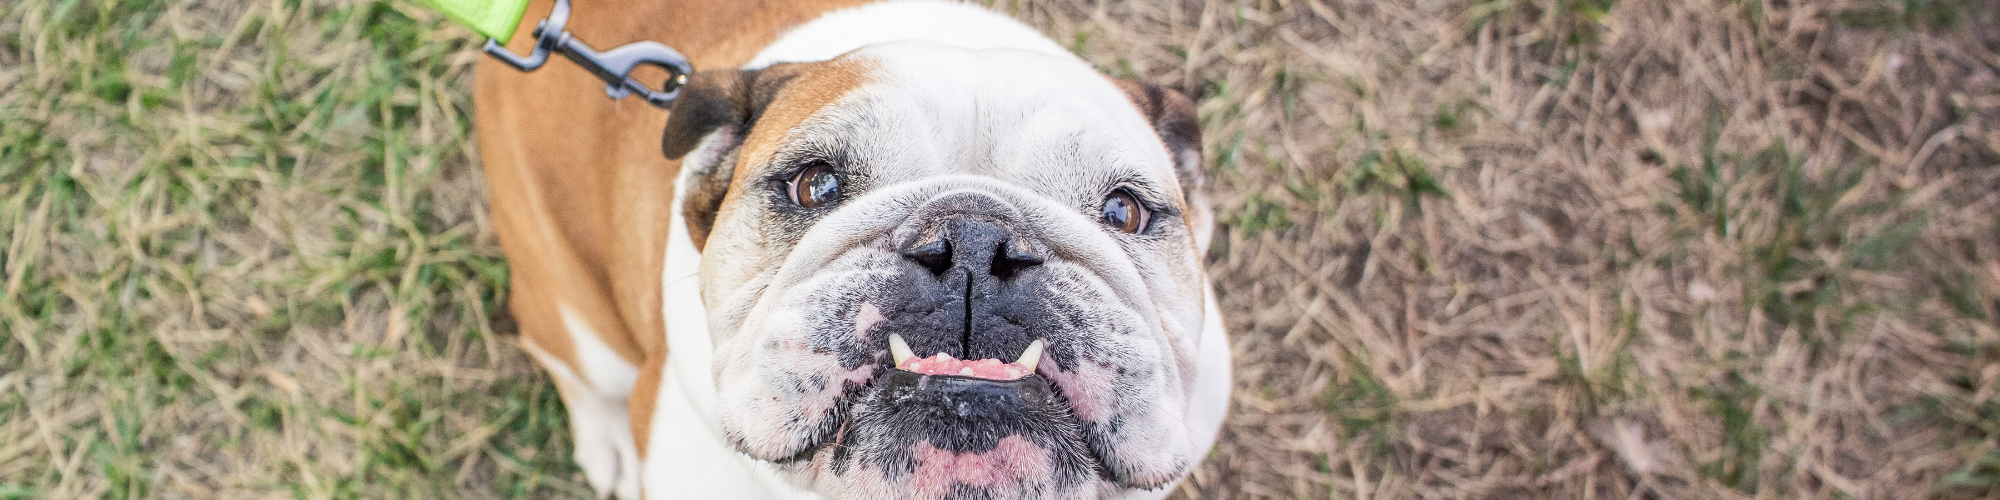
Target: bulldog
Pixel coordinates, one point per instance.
(901, 249)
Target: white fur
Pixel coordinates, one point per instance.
(1209, 402)
(949, 23)
(599, 423)
(603, 367)
(686, 455)
(1211, 388)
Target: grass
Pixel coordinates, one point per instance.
(1479, 248)
(246, 256)
(1560, 249)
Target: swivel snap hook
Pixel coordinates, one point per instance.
(613, 66)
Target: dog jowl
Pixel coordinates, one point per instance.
(934, 272)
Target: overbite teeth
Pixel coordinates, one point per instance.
(944, 364)
(900, 350)
(1031, 356)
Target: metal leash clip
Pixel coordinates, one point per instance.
(613, 66)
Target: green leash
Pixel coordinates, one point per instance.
(494, 18)
(497, 20)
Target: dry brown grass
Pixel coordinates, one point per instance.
(1528, 249)
(1472, 248)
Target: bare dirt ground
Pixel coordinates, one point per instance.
(1471, 249)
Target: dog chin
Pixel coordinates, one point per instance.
(918, 436)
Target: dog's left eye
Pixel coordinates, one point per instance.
(816, 186)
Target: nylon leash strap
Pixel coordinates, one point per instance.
(497, 19)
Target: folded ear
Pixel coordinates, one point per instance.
(1173, 117)
(706, 126)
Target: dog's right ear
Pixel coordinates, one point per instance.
(706, 127)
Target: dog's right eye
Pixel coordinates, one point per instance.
(1122, 211)
(816, 186)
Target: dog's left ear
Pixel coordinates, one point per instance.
(1173, 117)
(706, 127)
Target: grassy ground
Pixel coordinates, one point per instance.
(1472, 248)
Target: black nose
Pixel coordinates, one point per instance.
(977, 244)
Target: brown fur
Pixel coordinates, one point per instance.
(580, 192)
(737, 100)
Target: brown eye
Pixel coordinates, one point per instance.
(1122, 212)
(816, 186)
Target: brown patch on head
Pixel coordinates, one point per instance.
(1172, 114)
(810, 87)
(751, 109)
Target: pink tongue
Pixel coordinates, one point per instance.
(989, 368)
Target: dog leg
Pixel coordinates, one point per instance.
(596, 403)
(603, 440)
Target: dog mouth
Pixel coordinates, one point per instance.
(985, 369)
(992, 425)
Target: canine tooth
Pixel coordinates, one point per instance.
(900, 350)
(1031, 356)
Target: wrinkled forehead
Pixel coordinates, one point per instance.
(918, 109)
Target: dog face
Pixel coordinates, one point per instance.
(934, 272)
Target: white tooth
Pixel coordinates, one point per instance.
(967, 371)
(900, 350)
(1031, 356)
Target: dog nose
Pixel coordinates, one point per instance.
(977, 244)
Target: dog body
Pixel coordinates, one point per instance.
(718, 319)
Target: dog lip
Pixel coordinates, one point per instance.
(1031, 390)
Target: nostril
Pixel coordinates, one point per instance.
(975, 243)
(935, 256)
(1011, 259)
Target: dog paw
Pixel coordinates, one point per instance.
(605, 450)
